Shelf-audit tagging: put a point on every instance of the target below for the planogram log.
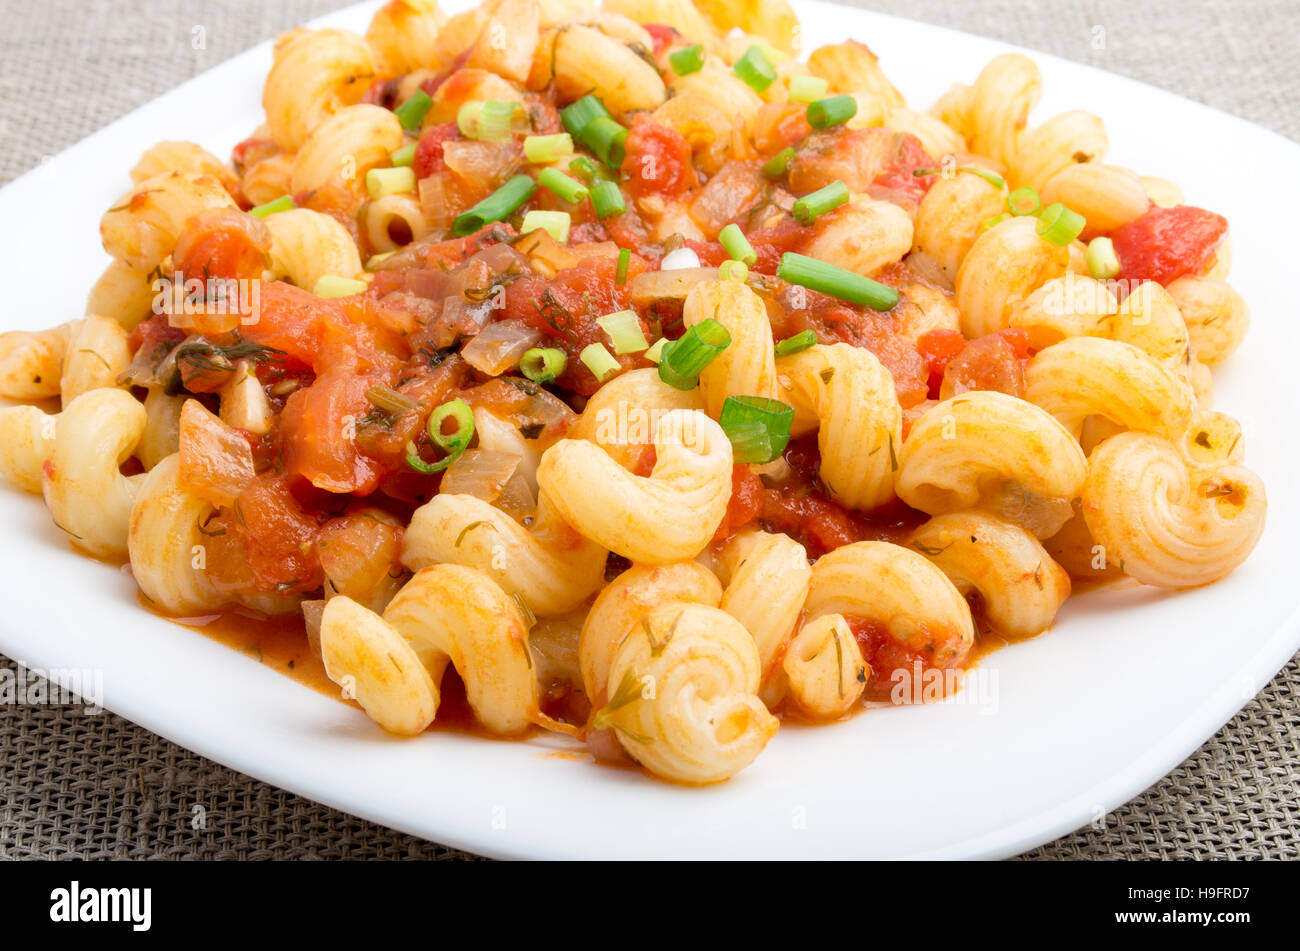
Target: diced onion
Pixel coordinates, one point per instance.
(499, 346)
(482, 473)
(682, 259)
(651, 286)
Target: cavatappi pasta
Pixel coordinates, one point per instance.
(631, 373)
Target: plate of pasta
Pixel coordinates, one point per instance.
(801, 447)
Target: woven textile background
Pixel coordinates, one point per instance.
(101, 787)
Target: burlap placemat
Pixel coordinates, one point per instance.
(100, 787)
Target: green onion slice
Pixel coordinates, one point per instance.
(624, 329)
(569, 189)
(1103, 262)
(808, 88)
(554, 223)
(1024, 201)
(544, 149)
(825, 113)
(624, 260)
(412, 112)
(577, 115)
(755, 69)
(496, 206)
(796, 344)
(687, 60)
(737, 245)
(993, 222)
(681, 361)
(779, 163)
(1060, 225)
(836, 281)
(734, 271)
(607, 200)
(656, 351)
(808, 208)
(607, 139)
(585, 169)
(283, 203)
(599, 361)
(759, 428)
(458, 439)
(404, 156)
(390, 181)
(330, 286)
(543, 364)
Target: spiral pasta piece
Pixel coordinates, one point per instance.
(142, 227)
(667, 516)
(87, 495)
(403, 35)
(588, 61)
(1168, 523)
(949, 217)
(165, 544)
(1090, 376)
(859, 420)
(922, 612)
(685, 706)
(852, 67)
(1020, 586)
(307, 245)
(1107, 197)
(767, 577)
(747, 366)
(1005, 265)
(1217, 317)
(97, 353)
(549, 564)
(824, 668)
(985, 449)
(623, 415)
(621, 605)
(863, 236)
(1058, 144)
(344, 146)
(1004, 94)
(26, 435)
(31, 362)
(315, 74)
(123, 293)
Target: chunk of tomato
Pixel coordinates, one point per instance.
(1168, 243)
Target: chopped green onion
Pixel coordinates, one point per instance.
(733, 271)
(737, 245)
(606, 138)
(779, 163)
(755, 69)
(373, 262)
(796, 344)
(681, 360)
(993, 178)
(1060, 225)
(404, 156)
(1024, 201)
(810, 207)
(624, 259)
(544, 149)
(331, 286)
(486, 121)
(412, 112)
(624, 329)
(599, 361)
(569, 189)
(554, 223)
(496, 206)
(808, 88)
(543, 364)
(656, 351)
(585, 169)
(825, 113)
(687, 60)
(576, 116)
(283, 203)
(390, 181)
(759, 428)
(993, 222)
(428, 468)
(607, 200)
(456, 441)
(835, 281)
(1103, 262)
